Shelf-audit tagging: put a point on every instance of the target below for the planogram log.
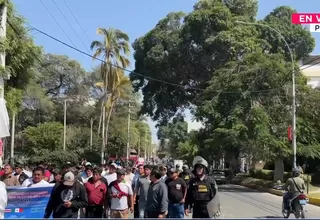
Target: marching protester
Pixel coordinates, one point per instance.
(141, 189)
(89, 169)
(177, 191)
(37, 178)
(66, 198)
(3, 199)
(129, 176)
(20, 174)
(112, 175)
(163, 170)
(96, 191)
(157, 197)
(8, 178)
(121, 197)
(57, 176)
(139, 172)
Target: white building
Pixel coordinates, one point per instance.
(310, 67)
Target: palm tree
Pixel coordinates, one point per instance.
(117, 91)
(114, 49)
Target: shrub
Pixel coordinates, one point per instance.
(268, 175)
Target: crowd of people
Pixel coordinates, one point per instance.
(146, 191)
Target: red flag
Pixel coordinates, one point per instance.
(289, 133)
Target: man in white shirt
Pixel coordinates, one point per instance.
(3, 199)
(129, 176)
(36, 179)
(121, 197)
(111, 176)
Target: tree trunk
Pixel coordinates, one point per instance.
(101, 110)
(107, 124)
(233, 163)
(103, 138)
(12, 136)
(278, 169)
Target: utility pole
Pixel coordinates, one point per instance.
(103, 134)
(64, 124)
(12, 136)
(3, 30)
(128, 132)
(91, 131)
(139, 146)
(145, 145)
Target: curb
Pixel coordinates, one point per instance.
(312, 200)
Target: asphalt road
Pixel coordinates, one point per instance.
(242, 202)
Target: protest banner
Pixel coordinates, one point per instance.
(27, 202)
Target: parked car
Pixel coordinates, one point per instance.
(219, 176)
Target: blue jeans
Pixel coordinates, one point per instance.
(175, 210)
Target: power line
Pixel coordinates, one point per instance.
(35, 55)
(65, 18)
(138, 74)
(75, 18)
(58, 24)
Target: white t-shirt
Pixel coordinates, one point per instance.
(29, 181)
(122, 203)
(85, 179)
(129, 178)
(111, 177)
(3, 198)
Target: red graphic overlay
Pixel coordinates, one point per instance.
(305, 18)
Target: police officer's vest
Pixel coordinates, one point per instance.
(203, 190)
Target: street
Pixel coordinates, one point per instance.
(242, 202)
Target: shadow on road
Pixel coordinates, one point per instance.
(235, 188)
(269, 217)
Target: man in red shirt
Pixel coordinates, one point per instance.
(96, 191)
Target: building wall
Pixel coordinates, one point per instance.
(310, 67)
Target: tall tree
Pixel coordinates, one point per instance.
(114, 50)
(173, 133)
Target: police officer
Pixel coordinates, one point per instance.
(202, 189)
(186, 175)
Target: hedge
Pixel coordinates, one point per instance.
(268, 175)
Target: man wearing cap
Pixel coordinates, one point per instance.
(121, 196)
(67, 197)
(177, 191)
(19, 174)
(110, 177)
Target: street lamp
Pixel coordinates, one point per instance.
(294, 120)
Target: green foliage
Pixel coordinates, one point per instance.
(14, 100)
(187, 151)
(268, 175)
(21, 52)
(236, 77)
(45, 136)
(172, 134)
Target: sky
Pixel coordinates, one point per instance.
(78, 25)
